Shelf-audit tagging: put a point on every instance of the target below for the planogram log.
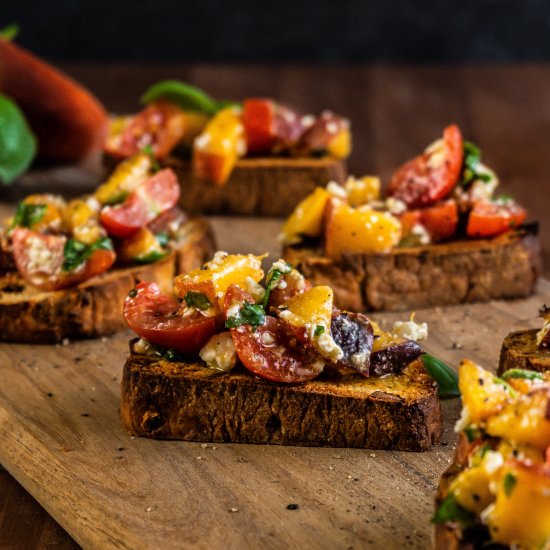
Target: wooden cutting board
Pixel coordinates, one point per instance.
(61, 438)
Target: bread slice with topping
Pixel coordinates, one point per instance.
(188, 401)
(93, 308)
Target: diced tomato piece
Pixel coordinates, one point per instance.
(488, 219)
(154, 196)
(329, 134)
(440, 220)
(259, 124)
(157, 318)
(160, 126)
(288, 128)
(269, 352)
(430, 177)
(39, 259)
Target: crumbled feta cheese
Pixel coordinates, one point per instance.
(219, 352)
(233, 311)
(267, 339)
(410, 330)
(40, 257)
(492, 461)
(281, 266)
(307, 121)
(219, 257)
(336, 190)
(202, 141)
(332, 127)
(241, 147)
(395, 206)
(420, 231)
(328, 347)
(482, 190)
(464, 421)
(144, 347)
(256, 290)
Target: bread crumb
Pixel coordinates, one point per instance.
(65, 342)
(233, 510)
(149, 509)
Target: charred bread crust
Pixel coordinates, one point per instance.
(257, 186)
(93, 308)
(519, 351)
(190, 402)
(450, 273)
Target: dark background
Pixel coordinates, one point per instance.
(284, 30)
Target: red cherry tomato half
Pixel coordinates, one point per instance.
(440, 220)
(430, 177)
(160, 126)
(269, 352)
(39, 259)
(151, 198)
(235, 295)
(488, 219)
(259, 124)
(157, 318)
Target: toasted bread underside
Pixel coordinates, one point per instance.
(519, 351)
(93, 308)
(257, 186)
(440, 274)
(184, 401)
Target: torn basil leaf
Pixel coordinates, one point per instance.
(450, 510)
(198, 300)
(28, 215)
(185, 96)
(249, 314)
(446, 378)
(77, 252)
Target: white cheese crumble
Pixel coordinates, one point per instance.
(410, 330)
(492, 461)
(233, 311)
(420, 231)
(464, 421)
(336, 190)
(219, 352)
(327, 346)
(395, 206)
(219, 257)
(41, 258)
(256, 290)
(307, 121)
(281, 266)
(202, 141)
(267, 339)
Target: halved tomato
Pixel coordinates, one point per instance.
(430, 177)
(157, 318)
(488, 219)
(160, 126)
(259, 124)
(151, 198)
(40, 260)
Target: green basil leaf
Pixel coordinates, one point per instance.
(10, 32)
(151, 257)
(77, 252)
(319, 329)
(17, 142)
(198, 300)
(273, 276)
(249, 314)
(163, 239)
(522, 373)
(509, 483)
(446, 378)
(450, 510)
(27, 215)
(185, 96)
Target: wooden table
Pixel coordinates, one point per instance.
(395, 111)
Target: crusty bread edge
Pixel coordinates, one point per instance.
(512, 358)
(94, 308)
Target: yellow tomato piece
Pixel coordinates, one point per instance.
(471, 489)
(521, 513)
(217, 148)
(77, 213)
(312, 311)
(482, 393)
(523, 420)
(312, 307)
(356, 231)
(307, 217)
(224, 270)
(124, 179)
(340, 145)
(141, 247)
(363, 190)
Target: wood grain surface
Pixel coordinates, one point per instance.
(396, 111)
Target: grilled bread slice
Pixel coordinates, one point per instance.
(520, 351)
(92, 308)
(455, 272)
(264, 186)
(188, 401)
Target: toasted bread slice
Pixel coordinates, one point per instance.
(93, 308)
(270, 186)
(520, 351)
(191, 402)
(455, 272)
